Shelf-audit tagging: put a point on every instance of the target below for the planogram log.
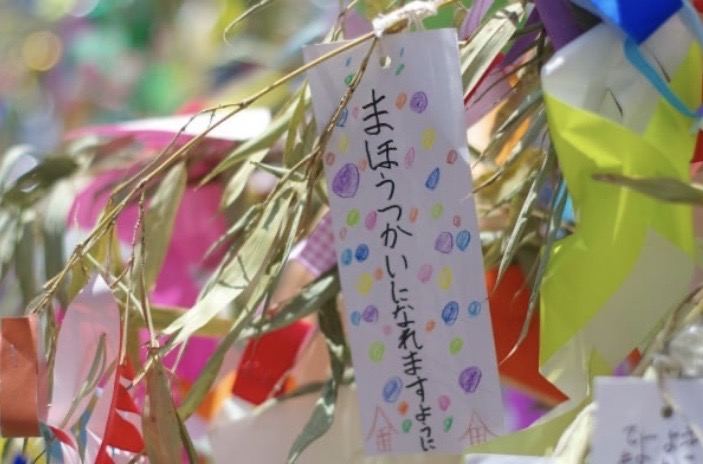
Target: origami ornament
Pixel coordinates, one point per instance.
(631, 257)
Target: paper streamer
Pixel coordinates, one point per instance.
(22, 403)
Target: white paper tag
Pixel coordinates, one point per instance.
(630, 426)
(408, 248)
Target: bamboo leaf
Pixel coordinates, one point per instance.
(557, 212)
(160, 425)
(238, 182)
(32, 185)
(53, 229)
(10, 233)
(245, 305)
(323, 412)
(250, 11)
(487, 43)
(83, 268)
(662, 188)
(525, 214)
(309, 300)
(244, 271)
(296, 120)
(25, 259)
(263, 142)
(159, 219)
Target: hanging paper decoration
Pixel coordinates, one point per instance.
(21, 376)
(407, 246)
(637, 425)
(631, 257)
(267, 360)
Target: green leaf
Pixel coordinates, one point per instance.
(31, 186)
(487, 43)
(83, 268)
(245, 305)
(263, 142)
(662, 188)
(160, 424)
(250, 11)
(323, 412)
(25, 259)
(525, 214)
(296, 121)
(53, 228)
(243, 271)
(556, 214)
(10, 233)
(159, 219)
(308, 301)
(238, 182)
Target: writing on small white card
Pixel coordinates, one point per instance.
(635, 426)
(407, 244)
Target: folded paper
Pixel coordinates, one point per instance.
(631, 258)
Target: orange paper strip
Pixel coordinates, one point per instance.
(19, 377)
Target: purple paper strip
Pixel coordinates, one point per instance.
(473, 19)
(559, 21)
(524, 42)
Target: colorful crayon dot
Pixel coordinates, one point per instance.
(353, 217)
(452, 156)
(456, 221)
(403, 408)
(376, 351)
(450, 312)
(428, 136)
(444, 402)
(407, 425)
(425, 273)
(456, 345)
(437, 211)
(463, 239)
(343, 143)
(392, 389)
(346, 257)
(387, 329)
(362, 164)
(470, 378)
(474, 308)
(348, 62)
(413, 214)
(448, 423)
(349, 79)
(370, 221)
(433, 179)
(356, 317)
(343, 233)
(430, 325)
(364, 284)
(370, 314)
(378, 274)
(409, 158)
(399, 69)
(362, 252)
(445, 278)
(400, 101)
(329, 159)
(418, 102)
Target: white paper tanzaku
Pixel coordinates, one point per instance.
(407, 243)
